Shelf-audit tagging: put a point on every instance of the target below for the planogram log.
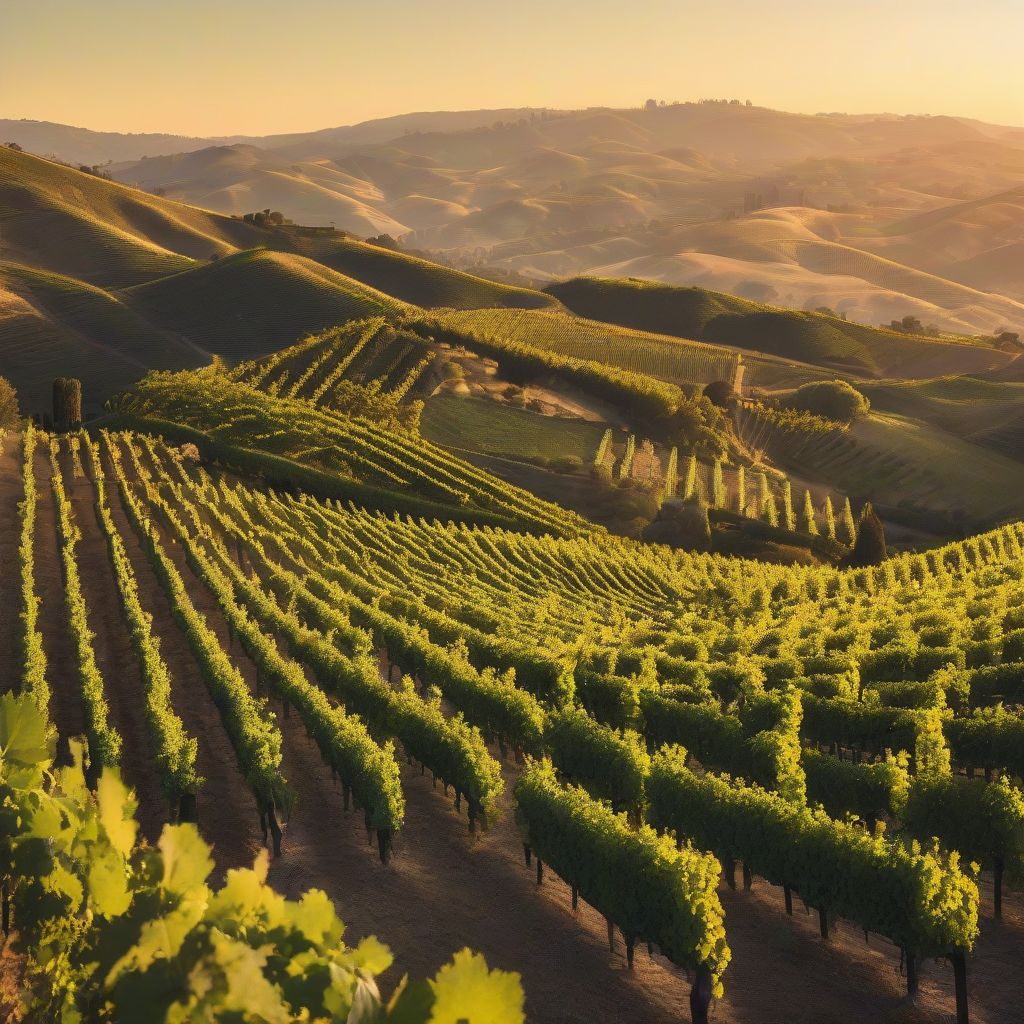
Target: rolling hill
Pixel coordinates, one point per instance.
(254, 301)
(809, 337)
(796, 210)
(102, 281)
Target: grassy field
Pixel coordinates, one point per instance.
(58, 218)
(809, 337)
(481, 425)
(52, 325)
(255, 301)
(410, 278)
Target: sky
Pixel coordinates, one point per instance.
(256, 67)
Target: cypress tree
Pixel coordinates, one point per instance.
(691, 478)
(741, 490)
(718, 485)
(830, 519)
(847, 529)
(810, 523)
(869, 548)
(769, 512)
(788, 518)
(67, 403)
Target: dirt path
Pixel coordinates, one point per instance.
(227, 809)
(66, 708)
(11, 492)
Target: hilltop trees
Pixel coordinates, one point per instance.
(67, 403)
(8, 405)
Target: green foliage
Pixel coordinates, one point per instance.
(637, 879)
(30, 638)
(115, 930)
(867, 790)
(104, 739)
(608, 765)
(920, 899)
(983, 821)
(8, 405)
(869, 547)
(834, 400)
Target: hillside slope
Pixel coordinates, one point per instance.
(810, 337)
(57, 218)
(254, 301)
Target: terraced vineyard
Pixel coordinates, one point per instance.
(672, 359)
(234, 649)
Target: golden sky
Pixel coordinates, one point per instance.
(224, 67)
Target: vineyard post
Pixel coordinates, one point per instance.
(188, 808)
(998, 892)
(275, 828)
(700, 995)
(911, 961)
(959, 959)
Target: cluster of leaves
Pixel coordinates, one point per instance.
(112, 930)
(609, 765)
(639, 880)
(919, 898)
(868, 790)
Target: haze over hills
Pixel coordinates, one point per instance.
(875, 216)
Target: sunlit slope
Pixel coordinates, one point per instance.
(255, 301)
(61, 219)
(412, 279)
(809, 337)
(986, 412)
(51, 325)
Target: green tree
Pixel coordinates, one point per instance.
(833, 399)
(830, 519)
(717, 485)
(741, 490)
(869, 547)
(788, 516)
(810, 522)
(8, 405)
(67, 403)
(847, 527)
(769, 510)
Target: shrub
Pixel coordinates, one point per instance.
(834, 399)
(8, 405)
(565, 463)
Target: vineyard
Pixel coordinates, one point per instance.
(671, 359)
(304, 675)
